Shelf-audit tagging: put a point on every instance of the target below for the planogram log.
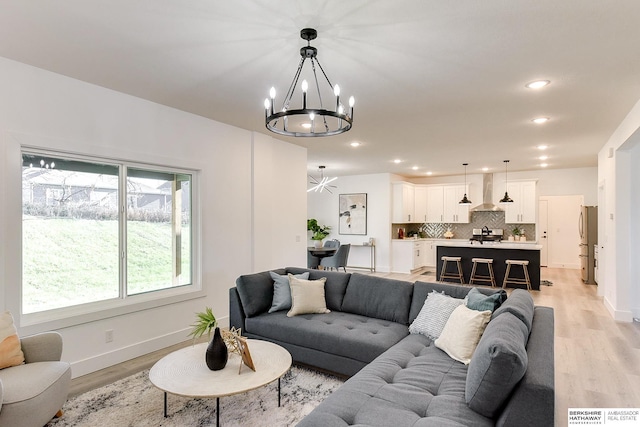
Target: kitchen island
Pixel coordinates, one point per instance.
(499, 252)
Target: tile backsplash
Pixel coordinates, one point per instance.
(465, 231)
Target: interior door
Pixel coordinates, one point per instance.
(543, 235)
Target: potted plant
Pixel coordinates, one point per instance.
(319, 233)
(516, 233)
(217, 354)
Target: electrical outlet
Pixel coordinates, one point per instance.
(108, 335)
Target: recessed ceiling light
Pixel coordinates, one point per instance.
(396, 161)
(484, 169)
(429, 173)
(540, 120)
(542, 147)
(537, 84)
(543, 165)
(355, 144)
(543, 157)
(306, 125)
(415, 168)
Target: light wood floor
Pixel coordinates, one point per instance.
(597, 359)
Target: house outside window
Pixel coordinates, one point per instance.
(96, 230)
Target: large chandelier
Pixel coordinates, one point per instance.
(308, 121)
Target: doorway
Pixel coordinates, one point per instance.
(543, 224)
(558, 217)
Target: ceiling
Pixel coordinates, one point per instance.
(437, 83)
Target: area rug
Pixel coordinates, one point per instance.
(135, 402)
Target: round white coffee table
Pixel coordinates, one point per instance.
(185, 373)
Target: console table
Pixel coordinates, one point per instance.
(372, 257)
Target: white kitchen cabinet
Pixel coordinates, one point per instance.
(407, 255)
(454, 212)
(443, 204)
(430, 253)
(420, 203)
(435, 203)
(403, 203)
(523, 208)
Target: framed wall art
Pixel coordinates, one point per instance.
(353, 214)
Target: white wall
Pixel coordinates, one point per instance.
(42, 109)
(324, 207)
(618, 209)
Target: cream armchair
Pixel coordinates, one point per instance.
(33, 393)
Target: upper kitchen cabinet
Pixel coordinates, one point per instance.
(453, 211)
(420, 205)
(435, 203)
(443, 204)
(523, 208)
(403, 203)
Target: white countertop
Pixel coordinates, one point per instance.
(505, 244)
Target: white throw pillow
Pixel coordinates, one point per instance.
(461, 334)
(434, 314)
(307, 296)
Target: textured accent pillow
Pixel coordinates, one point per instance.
(498, 364)
(461, 334)
(307, 296)
(282, 291)
(476, 300)
(434, 314)
(10, 348)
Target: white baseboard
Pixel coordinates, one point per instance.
(105, 360)
(618, 315)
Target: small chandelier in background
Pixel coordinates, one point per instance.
(464, 200)
(308, 121)
(323, 183)
(506, 198)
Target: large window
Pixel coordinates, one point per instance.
(100, 230)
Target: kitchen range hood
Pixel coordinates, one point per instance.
(487, 196)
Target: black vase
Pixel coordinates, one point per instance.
(217, 354)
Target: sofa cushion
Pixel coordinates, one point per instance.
(520, 304)
(434, 314)
(422, 289)
(462, 332)
(476, 300)
(412, 384)
(256, 292)
(498, 364)
(335, 287)
(344, 334)
(282, 291)
(307, 296)
(378, 297)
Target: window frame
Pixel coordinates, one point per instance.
(58, 318)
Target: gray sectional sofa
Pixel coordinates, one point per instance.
(403, 379)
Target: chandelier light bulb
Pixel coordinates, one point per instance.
(41, 162)
(267, 104)
(312, 116)
(340, 109)
(53, 165)
(352, 101)
(336, 90)
(272, 92)
(305, 86)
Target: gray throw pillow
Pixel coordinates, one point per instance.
(497, 365)
(282, 291)
(476, 300)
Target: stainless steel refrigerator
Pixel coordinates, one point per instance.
(588, 229)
